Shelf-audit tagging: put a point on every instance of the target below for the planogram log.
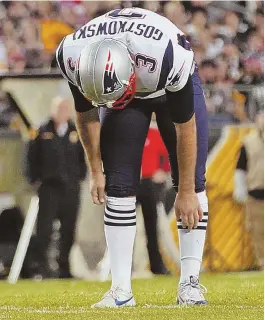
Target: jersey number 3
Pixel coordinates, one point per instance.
(142, 60)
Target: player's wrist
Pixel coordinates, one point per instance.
(186, 189)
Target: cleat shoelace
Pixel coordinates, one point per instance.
(188, 289)
(112, 293)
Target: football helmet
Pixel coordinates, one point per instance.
(105, 74)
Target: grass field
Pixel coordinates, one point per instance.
(230, 296)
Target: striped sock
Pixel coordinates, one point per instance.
(120, 230)
(192, 243)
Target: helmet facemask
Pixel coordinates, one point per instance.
(128, 95)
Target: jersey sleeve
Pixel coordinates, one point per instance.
(60, 60)
(81, 103)
(183, 62)
(181, 103)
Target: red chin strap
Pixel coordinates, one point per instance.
(128, 95)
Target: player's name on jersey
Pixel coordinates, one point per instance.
(116, 27)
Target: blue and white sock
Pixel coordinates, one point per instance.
(191, 243)
(120, 230)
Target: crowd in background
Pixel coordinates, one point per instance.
(227, 38)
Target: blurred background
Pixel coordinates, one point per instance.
(35, 104)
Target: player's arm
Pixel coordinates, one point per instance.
(182, 113)
(88, 127)
(184, 119)
(186, 152)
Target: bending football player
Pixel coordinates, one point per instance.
(122, 67)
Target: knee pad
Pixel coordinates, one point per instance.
(120, 185)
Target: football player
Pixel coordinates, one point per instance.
(121, 67)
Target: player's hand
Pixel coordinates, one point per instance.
(97, 187)
(188, 209)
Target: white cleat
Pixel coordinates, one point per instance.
(191, 292)
(116, 298)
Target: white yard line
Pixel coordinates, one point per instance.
(68, 310)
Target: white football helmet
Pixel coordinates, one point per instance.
(105, 74)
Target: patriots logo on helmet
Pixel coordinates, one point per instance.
(111, 83)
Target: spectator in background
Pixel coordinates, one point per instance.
(152, 6)
(197, 29)
(222, 72)
(232, 56)
(219, 95)
(175, 12)
(249, 185)
(255, 43)
(56, 165)
(208, 71)
(258, 23)
(215, 44)
(254, 59)
(230, 25)
(155, 166)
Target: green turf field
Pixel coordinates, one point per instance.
(231, 297)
